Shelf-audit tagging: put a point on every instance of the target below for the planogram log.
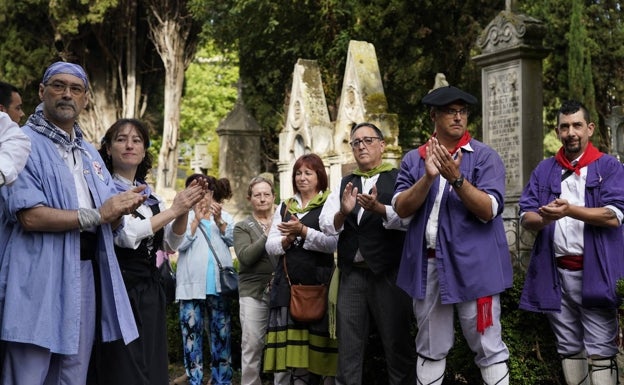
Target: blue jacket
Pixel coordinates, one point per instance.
(603, 264)
(40, 271)
(472, 256)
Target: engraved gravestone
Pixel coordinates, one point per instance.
(512, 102)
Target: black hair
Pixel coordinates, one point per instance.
(572, 106)
(355, 127)
(6, 93)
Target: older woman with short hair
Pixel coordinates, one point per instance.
(256, 270)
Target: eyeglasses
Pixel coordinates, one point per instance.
(60, 87)
(452, 112)
(367, 140)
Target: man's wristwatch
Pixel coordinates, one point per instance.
(457, 183)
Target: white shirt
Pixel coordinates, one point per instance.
(136, 229)
(431, 231)
(315, 240)
(568, 238)
(14, 149)
(332, 206)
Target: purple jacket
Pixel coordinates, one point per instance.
(603, 264)
(472, 257)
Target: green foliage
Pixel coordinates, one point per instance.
(619, 288)
(580, 80)
(411, 41)
(551, 143)
(603, 23)
(23, 49)
(209, 95)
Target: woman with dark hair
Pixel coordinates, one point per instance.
(209, 234)
(303, 349)
(150, 228)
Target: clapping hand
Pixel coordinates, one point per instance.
(290, 229)
(368, 201)
(189, 197)
(349, 198)
(122, 204)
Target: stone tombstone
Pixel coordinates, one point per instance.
(239, 156)
(308, 128)
(362, 99)
(512, 103)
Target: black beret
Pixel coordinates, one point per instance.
(444, 96)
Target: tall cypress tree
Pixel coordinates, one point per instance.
(580, 78)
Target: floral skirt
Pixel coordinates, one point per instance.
(292, 344)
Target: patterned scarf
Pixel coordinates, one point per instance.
(422, 150)
(293, 205)
(590, 155)
(41, 125)
(377, 170)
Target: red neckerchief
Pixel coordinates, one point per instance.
(591, 154)
(464, 140)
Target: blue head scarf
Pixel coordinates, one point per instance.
(61, 67)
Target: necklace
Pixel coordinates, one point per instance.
(264, 224)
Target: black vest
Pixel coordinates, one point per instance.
(380, 248)
(306, 267)
(140, 264)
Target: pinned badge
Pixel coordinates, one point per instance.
(97, 167)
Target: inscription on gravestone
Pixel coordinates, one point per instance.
(503, 120)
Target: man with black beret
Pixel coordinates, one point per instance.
(456, 256)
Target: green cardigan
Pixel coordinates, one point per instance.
(255, 266)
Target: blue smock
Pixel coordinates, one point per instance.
(40, 287)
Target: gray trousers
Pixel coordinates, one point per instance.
(436, 334)
(364, 297)
(578, 328)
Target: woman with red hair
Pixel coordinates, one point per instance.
(302, 348)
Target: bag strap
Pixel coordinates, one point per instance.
(214, 254)
(286, 271)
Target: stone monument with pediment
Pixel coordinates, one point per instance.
(512, 103)
(362, 99)
(308, 128)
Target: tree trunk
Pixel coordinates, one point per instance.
(171, 26)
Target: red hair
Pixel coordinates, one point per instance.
(315, 163)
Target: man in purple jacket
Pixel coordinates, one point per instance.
(456, 256)
(575, 201)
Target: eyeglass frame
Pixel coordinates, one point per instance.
(452, 112)
(357, 142)
(74, 89)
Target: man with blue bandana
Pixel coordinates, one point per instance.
(56, 233)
